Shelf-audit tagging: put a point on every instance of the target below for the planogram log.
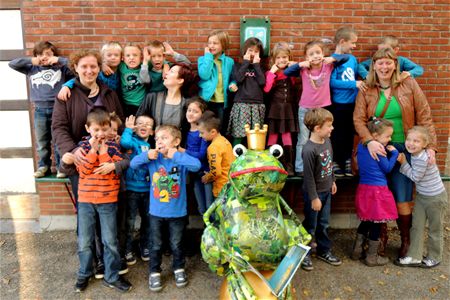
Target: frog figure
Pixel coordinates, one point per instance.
(247, 220)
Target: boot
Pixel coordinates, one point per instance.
(288, 154)
(373, 259)
(383, 240)
(404, 225)
(358, 247)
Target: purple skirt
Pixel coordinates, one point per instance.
(375, 203)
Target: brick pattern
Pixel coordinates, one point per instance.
(54, 199)
(421, 25)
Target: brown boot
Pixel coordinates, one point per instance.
(358, 247)
(404, 225)
(288, 158)
(383, 239)
(373, 259)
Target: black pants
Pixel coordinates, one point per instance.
(370, 230)
(342, 135)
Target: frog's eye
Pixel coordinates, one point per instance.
(239, 149)
(276, 150)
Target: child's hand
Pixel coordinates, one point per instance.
(94, 144)
(390, 148)
(401, 158)
(35, 61)
(304, 64)
(130, 122)
(207, 50)
(431, 156)
(68, 158)
(404, 75)
(168, 50)
(256, 58)
(146, 56)
(103, 147)
(171, 152)
(233, 87)
(152, 154)
(274, 69)
(361, 85)
(316, 204)
(117, 139)
(333, 188)
(105, 168)
(375, 149)
(247, 55)
(52, 60)
(206, 178)
(80, 156)
(328, 60)
(107, 69)
(64, 93)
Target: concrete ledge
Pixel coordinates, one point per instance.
(19, 225)
(58, 222)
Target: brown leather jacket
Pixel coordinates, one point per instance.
(413, 103)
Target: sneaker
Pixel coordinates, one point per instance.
(130, 258)
(348, 168)
(81, 284)
(330, 258)
(407, 261)
(120, 284)
(429, 263)
(40, 172)
(123, 267)
(145, 254)
(60, 174)
(337, 170)
(154, 282)
(99, 271)
(180, 278)
(307, 263)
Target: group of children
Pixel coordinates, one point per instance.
(154, 184)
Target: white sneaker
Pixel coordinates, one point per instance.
(60, 175)
(408, 261)
(40, 172)
(429, 262)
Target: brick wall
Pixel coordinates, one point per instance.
(54, 199)
(421, 25)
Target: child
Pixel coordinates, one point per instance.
(168, 169)
(154, 65)
(374, 201)
(407, 67)
(220, 152)
(281, 116)
(318, 184)
(214, 70)
(196, 146)
(248, 107)
(97, 194)
(431, 201)
(135, 138)
(46, 72)
(315, 73)
(344, 89)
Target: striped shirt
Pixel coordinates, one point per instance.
(425, 176)
(96, 188)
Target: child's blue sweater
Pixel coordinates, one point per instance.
(343, 81)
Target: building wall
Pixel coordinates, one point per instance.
(421, 25)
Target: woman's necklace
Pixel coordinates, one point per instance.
(94, 91)
(384, 87)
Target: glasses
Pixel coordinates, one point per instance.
(149, 125)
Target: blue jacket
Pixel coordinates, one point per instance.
(168, 188)
(374, 172)
(207, 71)
(136, 179)
(197, 147)
(343, 81)
(405, 65)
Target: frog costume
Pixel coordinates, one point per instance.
(248, 219)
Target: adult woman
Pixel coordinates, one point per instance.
(168, 107)
(402, 101)
(69, 117)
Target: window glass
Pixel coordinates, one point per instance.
(10, 30)
(17, 175)
(15, 130)
(13, 85)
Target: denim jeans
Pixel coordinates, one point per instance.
(137, 202)
(86, 232)
(176, 230)
(203, 193)
(317, 222)
(302, 138)
(43, 132)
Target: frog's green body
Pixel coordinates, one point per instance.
(249, 221)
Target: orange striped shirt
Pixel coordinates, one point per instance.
(97, 188)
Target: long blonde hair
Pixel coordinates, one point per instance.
(372, 78)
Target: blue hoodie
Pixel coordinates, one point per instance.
(137, 180)
(343, 81)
